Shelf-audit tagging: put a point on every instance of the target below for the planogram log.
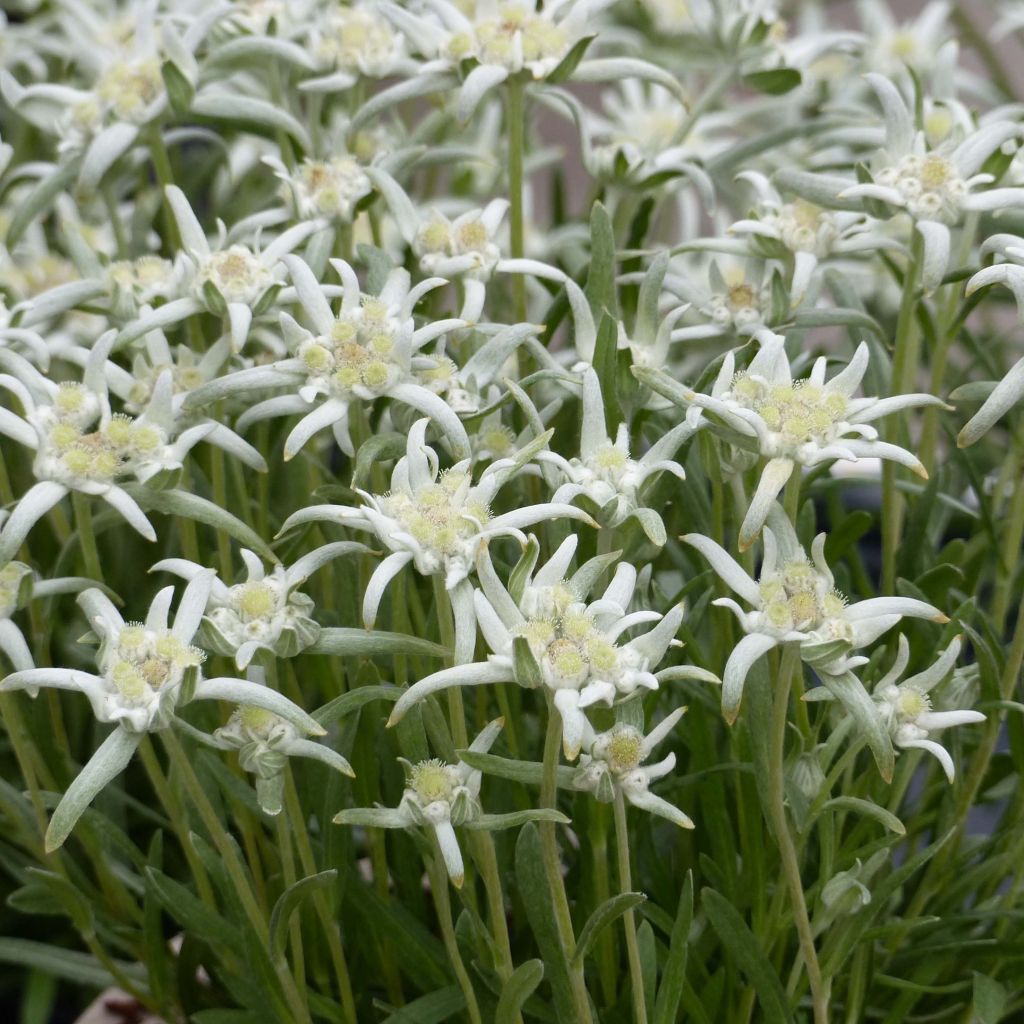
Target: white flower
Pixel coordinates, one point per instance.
(607, 475)
(800, 422)
(371, 349)
(809, 232)
(144, 670)
(326, 189)
(570, 647)
(264, 742)
(936, 186)
(438, 522)
(794, 600)
(906, 707)
(438, 796)
(231, 280)
(265, 612)
(353, 40)
(506, 37)
(921, 44)
(613, 763)
(81, 445)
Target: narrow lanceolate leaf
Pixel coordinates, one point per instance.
(520, 985)
(529, 772)
(192, 506)
(370, 642)
(673, 975)
(600, 288)
(246, 110)
(106, 764)
(352, 701)
(850, 692)
(288, 902)
(610, 910)
(745, 951)
(498, 822)
(539, 902)
(869, 810)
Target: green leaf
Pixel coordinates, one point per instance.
(647, 950)
(603, 916)
(520, 985)
(775, 81)
(377, 449)
(524, 664)
(868, 809)
(539, 903)
(355, 699)
(673, 975)
(202, 510)
(66, 964)
(529, 772)
(606, 366)
(850, 692)
(38, 199)
(355, 643)
(288, 902)
(247, 111)
(38, 999)
(600, 286)
(990, 999)
(180, 90)
(563, 71)
(190, 912)
(513, 819)
(433, 1008)
(70, 898)
(743, 947)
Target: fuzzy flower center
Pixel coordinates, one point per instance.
(144, 661)
(432, 781)
(494, 40)
(129, 87)
(799, 597)
(237, 273)
(441, 516)
(624, 750)
(798, 413)
(570, 649)
(930, 186)
(357, 38)
(331, 188)
(362, 351)
(102, 455)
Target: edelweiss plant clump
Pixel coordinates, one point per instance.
(496, 381)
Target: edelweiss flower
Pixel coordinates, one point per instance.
(806, 232)
(266, 612)
(230, 280)
(326, 189)
(936, 186)
(798, 423)
(921, 44)
(906, 708)
(437, 522)
(613, 764)
(506, 37)
(604, 471)
(370, 350)
(441, 797)
(81, 445)
(264, 742)
(466, 249)
(352, 40)
(794, 600)
(550, 636)
(145, 671)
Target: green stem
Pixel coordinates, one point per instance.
(903, 367)
(86, 537)
(289, 877)
(330, 928)
(165, 176)
(636, 977)
(235, 869)
(516, 128)
(553, 866)
(790, 665)
(443, 906)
